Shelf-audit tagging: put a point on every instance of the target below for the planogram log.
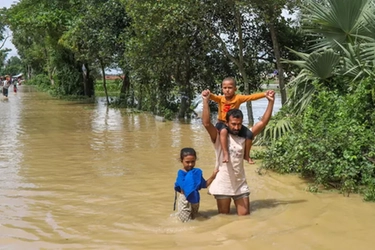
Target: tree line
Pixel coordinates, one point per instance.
(167, 51)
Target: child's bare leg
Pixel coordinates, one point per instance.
(224, 144)
(248, 144)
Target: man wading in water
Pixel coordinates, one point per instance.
(230, 182)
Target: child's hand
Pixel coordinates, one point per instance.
(212, 177)
(215, 172)
(206, 93)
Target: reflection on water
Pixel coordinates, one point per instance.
(82, 176)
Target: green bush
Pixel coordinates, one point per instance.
(67, 82)
(41, 80)
(369, 192)
(332, 143)
(113, 86)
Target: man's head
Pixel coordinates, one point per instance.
(234, 120)
(228, 86)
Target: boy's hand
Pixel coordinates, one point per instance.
(206, 94)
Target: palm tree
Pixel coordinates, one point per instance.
(344, 46)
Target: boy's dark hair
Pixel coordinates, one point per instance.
(235, 113)
(187, 151)
(229, 79)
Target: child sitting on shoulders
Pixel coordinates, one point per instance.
(230, 100)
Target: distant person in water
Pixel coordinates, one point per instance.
(231, 100)
(6, 86)
(14, 81)
(188, 183)
(19, 80)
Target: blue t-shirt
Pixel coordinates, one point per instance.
(190, 182)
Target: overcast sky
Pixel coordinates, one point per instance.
(8, 43)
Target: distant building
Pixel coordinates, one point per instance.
(114, 77)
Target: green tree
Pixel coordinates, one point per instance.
(270, 11)
(3, 38)
(37, 27)
(13, 66)
(344, 47)
(331, 109)
(96, 34)
(231, 28)
(167, 49)
(245, 32)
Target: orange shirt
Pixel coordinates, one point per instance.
(234, 103)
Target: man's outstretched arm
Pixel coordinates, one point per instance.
(206, 121)
(259, 126)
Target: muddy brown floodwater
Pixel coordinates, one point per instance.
(81, 176)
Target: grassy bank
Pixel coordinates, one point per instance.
(113, 87)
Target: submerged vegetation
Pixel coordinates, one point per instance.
(167, 52)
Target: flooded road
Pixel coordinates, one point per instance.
(81, 176)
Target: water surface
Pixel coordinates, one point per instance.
(81, 176)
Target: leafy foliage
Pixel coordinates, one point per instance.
(327, 133)
(167, 50)
(37, 27)
(343, 48)
(339, 22)
(3, 38)
(13, 66)
(332, 141)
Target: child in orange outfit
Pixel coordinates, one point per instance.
(230, 101)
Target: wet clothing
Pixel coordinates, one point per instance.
(234, 197)
(6, 87)
(186, 210)
(189, 183)
(231, 178)
(14, 86)
(5, 92)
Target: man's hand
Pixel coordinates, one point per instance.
(268, 92)
(206, 94)
(270, 95)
